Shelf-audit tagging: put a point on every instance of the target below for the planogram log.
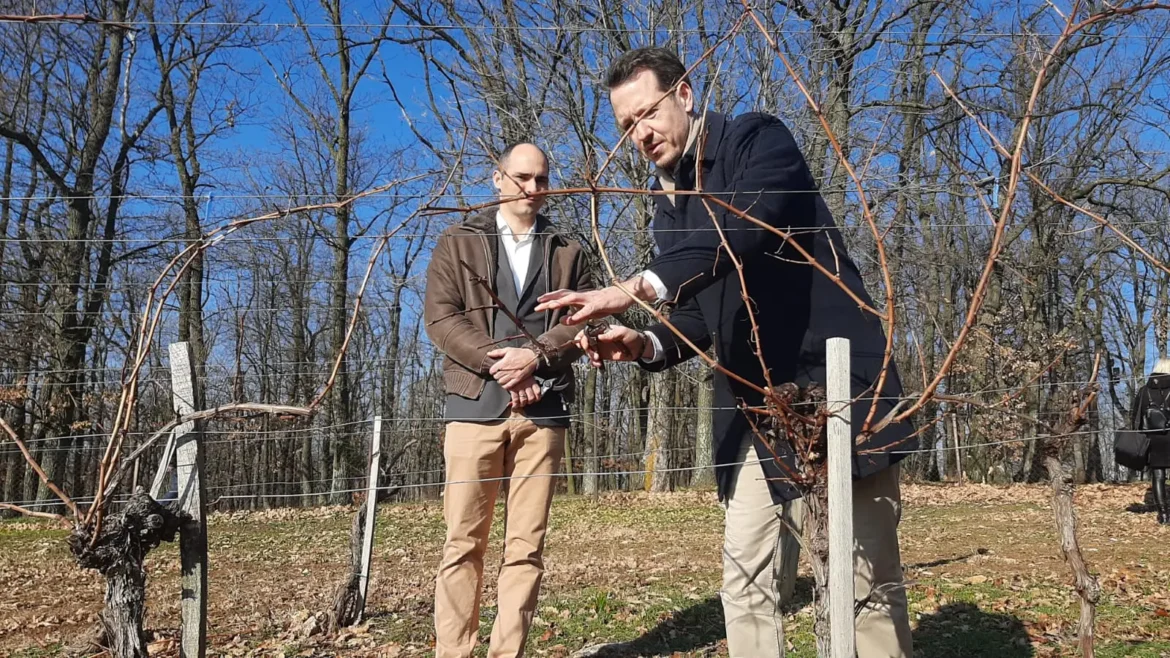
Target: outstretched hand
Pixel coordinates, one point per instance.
(593, 304)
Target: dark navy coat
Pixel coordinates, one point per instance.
(753, 162)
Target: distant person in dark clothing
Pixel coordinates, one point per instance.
(1150, 409)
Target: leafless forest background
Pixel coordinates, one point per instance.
(120, 147)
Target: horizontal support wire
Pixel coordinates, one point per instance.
(422, 485)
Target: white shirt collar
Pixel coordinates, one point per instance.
(506, 230)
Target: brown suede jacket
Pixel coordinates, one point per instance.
(459, 314)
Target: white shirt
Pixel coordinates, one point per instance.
(518, 248)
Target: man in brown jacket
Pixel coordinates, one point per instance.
(507, 401)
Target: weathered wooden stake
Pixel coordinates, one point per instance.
(570, 485)
(350, 598)
(840, 394)
(193, 532)
(371, 516)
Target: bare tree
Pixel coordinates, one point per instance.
(328, 117)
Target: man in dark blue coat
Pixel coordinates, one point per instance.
(753, 163)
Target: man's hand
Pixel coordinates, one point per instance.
(526, 392)
(598, 303)
(614, 344)
(515, 365)
(594, 304)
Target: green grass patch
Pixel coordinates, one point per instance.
(40, 652)
(1133, 649)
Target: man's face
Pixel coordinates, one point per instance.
(661, 130)
(524, 171)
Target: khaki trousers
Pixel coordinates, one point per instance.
(760, 556)
(512, 448)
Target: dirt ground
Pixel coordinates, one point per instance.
(984, 569)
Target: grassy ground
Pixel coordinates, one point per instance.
(985, 573)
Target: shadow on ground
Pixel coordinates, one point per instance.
(960, 630)
(693, 629)
(963, 630)
(941, 562)
(1146, 506)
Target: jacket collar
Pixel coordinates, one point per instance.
(485, 222)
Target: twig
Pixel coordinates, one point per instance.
(863, 201)
(357, 307)
(625, 135)
(152, 317)
(1015, 169)
(788, 237)
(794, 477)
(595, 223)
(1153, 260)
(540, 349)
(205, 414)
(40, 515)
(382, 243)
(62, 18)
(748, 303)
(466, 310)
(38, 470)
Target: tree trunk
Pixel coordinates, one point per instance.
(17, 471)
(816, 532)
(391, 382)
(339, 402)
(704, 478)
(118, 555)
(6, 209)
(125, 609)
(656, 457)
(340, 411)
(345, 610)
(607, 444)
(1064, 512)
(636, 439)
(1078, 447)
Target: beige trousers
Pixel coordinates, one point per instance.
(514, 448)
(760, 557)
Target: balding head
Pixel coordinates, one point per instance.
(523, 171)
(523, 149)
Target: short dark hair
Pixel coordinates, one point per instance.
(668, 69)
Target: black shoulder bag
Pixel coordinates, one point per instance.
(1131, 448)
